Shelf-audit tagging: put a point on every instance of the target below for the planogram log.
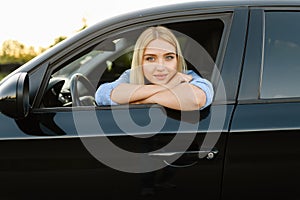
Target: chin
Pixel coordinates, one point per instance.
(160, 82)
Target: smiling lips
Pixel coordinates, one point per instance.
(160, 76)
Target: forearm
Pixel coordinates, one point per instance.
(182, 97)
(129, 93)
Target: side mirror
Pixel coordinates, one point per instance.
(14, 96)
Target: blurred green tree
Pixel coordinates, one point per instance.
(58, 40)
(13, 51)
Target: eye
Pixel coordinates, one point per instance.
(169, 57)
(150, 58)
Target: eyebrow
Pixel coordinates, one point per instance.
(149, 54)
(169, 53)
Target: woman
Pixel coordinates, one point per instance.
(158, 74)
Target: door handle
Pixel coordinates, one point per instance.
(208, 154)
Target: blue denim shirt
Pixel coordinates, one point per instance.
(103, 93)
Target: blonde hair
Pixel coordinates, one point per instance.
(150, 34)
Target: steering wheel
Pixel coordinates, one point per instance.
(88, 98)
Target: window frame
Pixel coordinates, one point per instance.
(174, 19)
(251, 80)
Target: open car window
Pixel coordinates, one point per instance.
(105, 62)
(75, 82)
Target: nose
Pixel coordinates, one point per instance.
(160, 65)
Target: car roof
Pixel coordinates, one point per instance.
(225, 3)
(207, 4)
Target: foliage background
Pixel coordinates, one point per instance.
(13, 53)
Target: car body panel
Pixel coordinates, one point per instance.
(53, 159)
(262, 151)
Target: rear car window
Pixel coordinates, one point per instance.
(281, 59)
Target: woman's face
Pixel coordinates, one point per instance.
(159, 61)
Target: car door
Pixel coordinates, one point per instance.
(124, 151)
(262, 158)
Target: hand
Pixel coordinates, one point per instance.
(177, 79)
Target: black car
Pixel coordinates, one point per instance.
(56, 143)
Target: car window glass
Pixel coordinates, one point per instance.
(281, 64)
(107, 60)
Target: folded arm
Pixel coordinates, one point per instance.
(177, 94)
(184, 96)
(182, 92)
(130, 93)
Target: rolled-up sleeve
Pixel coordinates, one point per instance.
(204, 85)
(103, 93)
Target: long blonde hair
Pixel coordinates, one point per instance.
(150, 34)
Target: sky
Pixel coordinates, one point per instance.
(38, 22)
